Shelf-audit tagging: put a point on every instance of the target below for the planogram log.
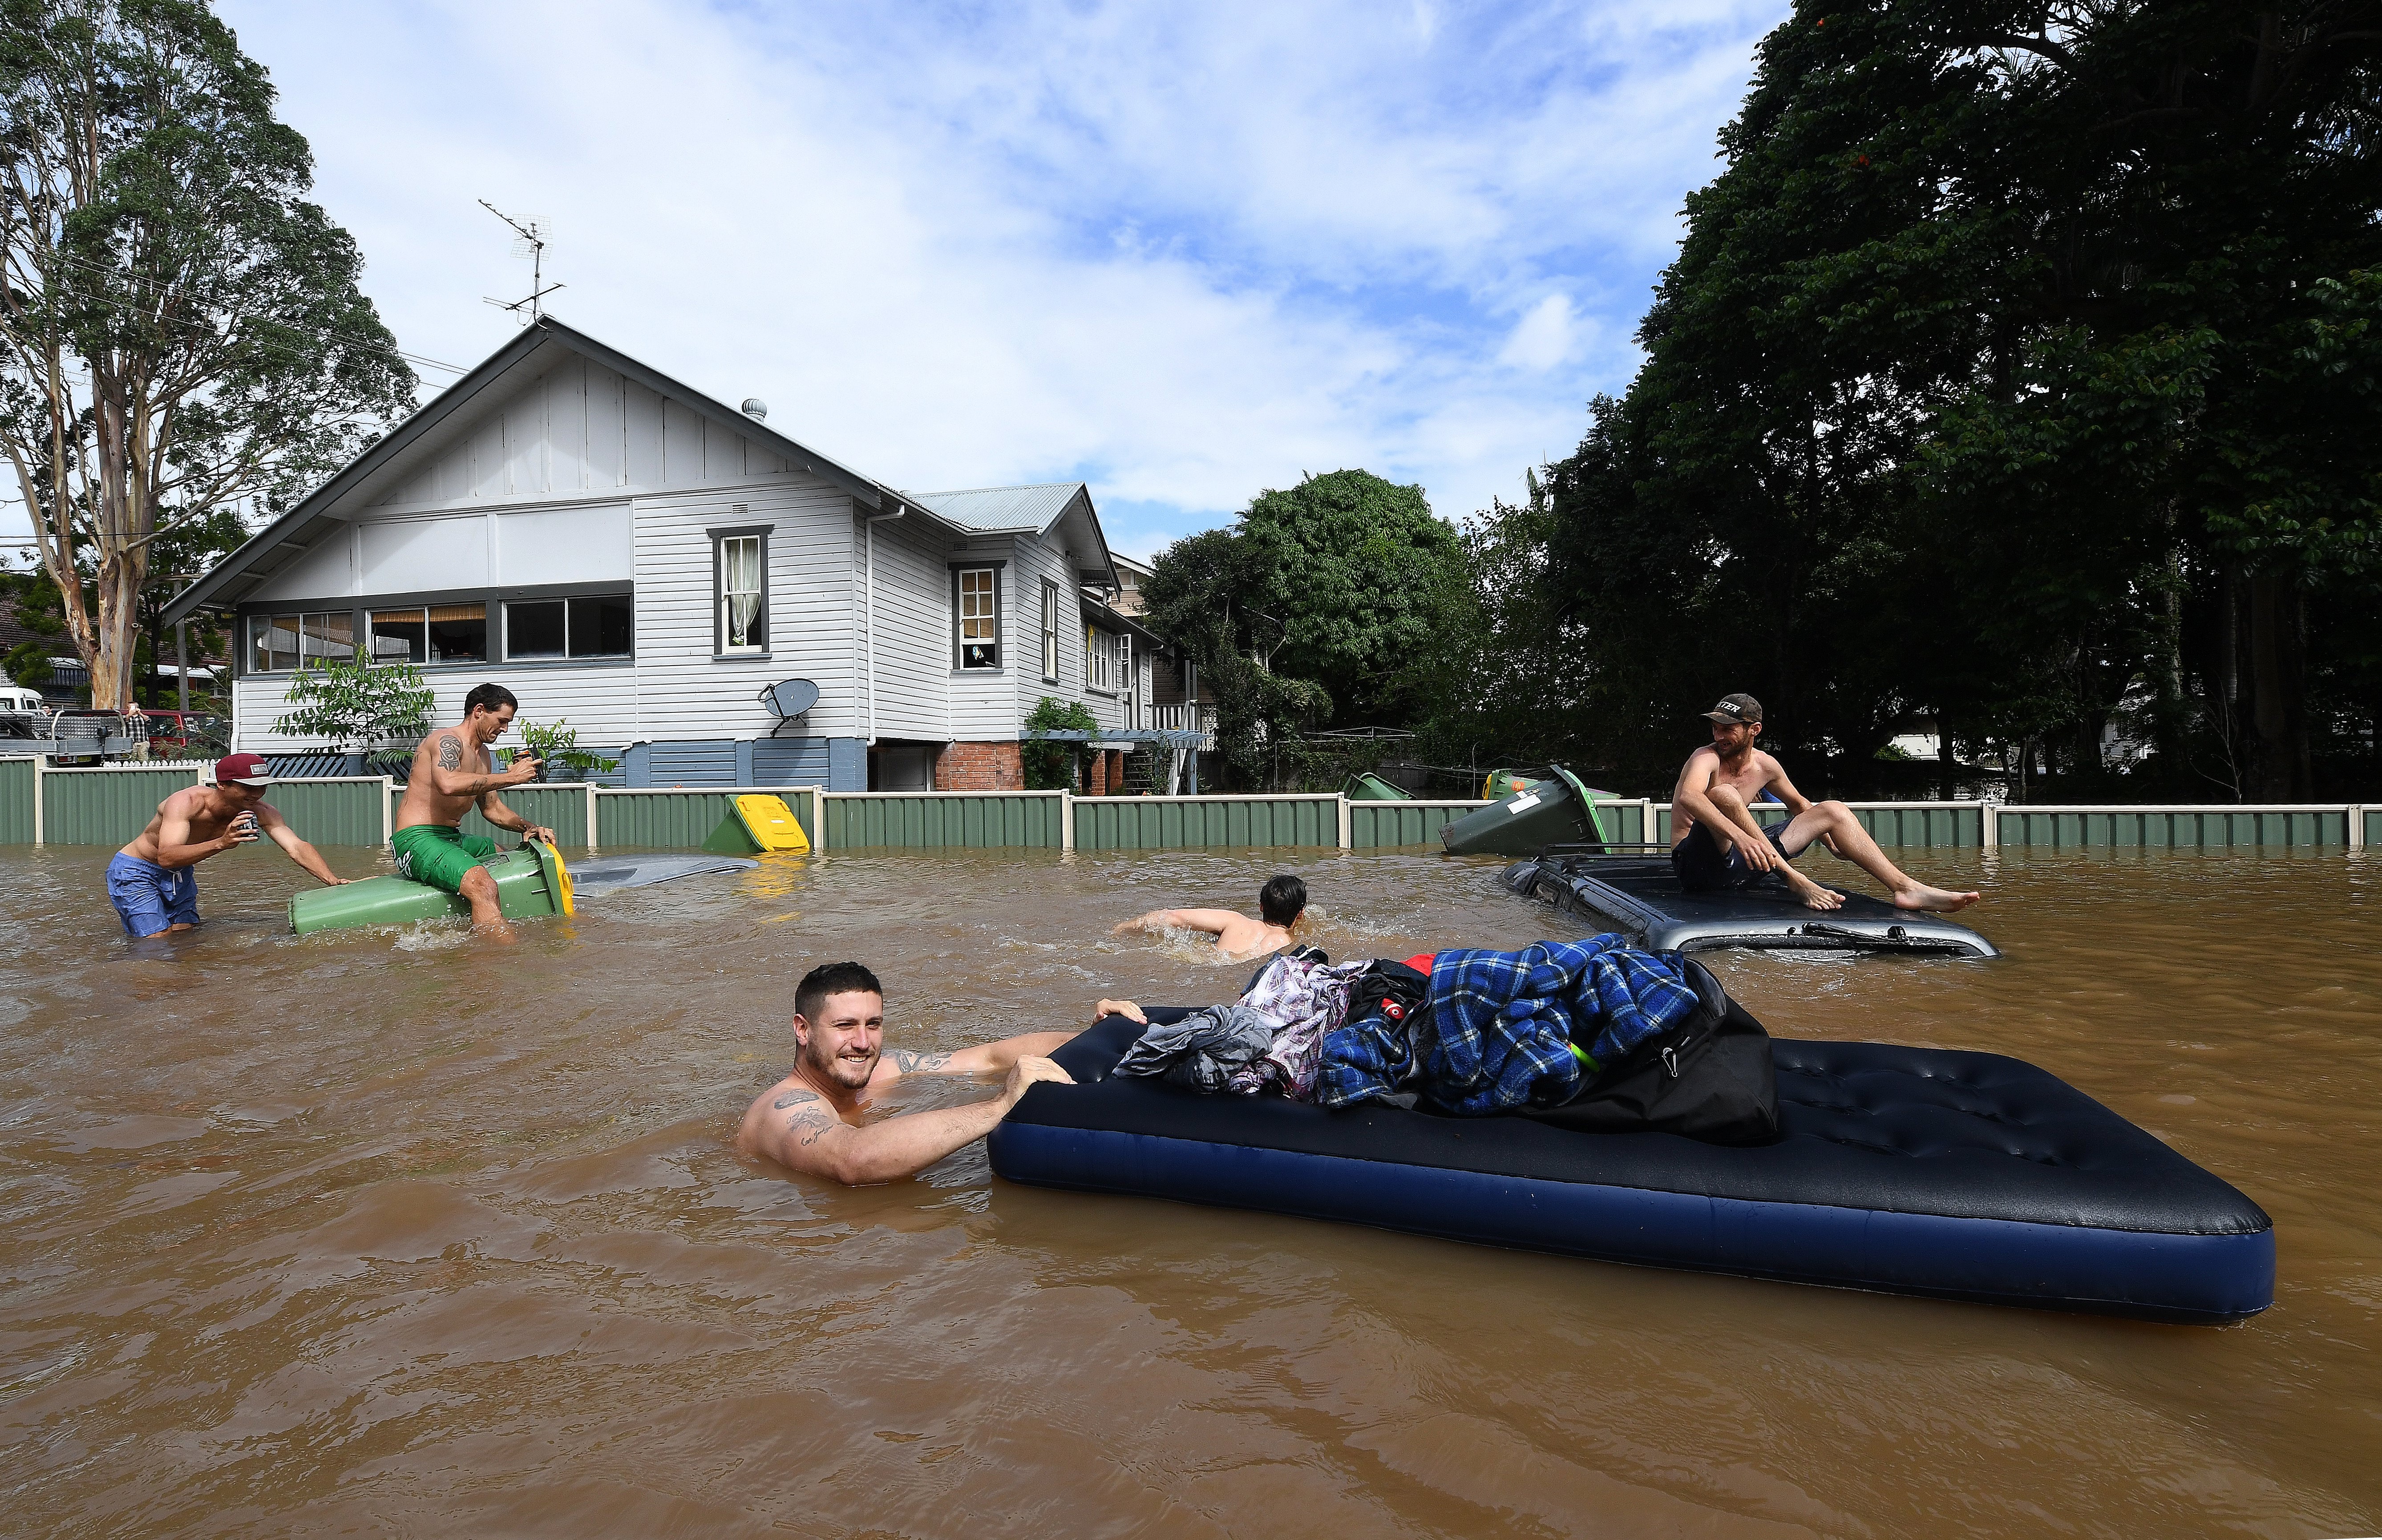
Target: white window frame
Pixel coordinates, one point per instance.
(987, 617)
(1049, 631)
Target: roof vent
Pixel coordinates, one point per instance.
(756, 409)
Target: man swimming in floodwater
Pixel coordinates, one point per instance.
(810, 1120)
(451, 773)
(152, 883)
(1279, 902)
(1716, 843)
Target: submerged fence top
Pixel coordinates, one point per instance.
(110, 804)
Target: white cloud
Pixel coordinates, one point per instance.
(1185, 251)
(1542, 339)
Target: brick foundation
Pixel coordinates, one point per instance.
(979, 768)
(1096, 775)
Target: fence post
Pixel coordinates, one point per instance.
(41, 765)
(1066, 820)
(2357, 825)
(819, 820)
(1989, 826)
(387, 812)
(1348, 820)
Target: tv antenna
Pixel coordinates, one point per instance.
(530, 238)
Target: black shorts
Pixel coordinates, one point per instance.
(1705, 865)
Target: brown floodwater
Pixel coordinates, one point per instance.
(406, 1232)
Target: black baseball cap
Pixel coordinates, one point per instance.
(1736, 708)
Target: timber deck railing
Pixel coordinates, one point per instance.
(110, 804)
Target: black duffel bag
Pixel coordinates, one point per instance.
(1709, 1078)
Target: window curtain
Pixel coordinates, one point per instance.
(743, 581)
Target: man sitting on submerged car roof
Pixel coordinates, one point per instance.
(811, 1120)
(1716, 842)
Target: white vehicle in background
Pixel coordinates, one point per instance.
(23, 709)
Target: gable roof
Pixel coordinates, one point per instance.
(289, 536)
(1030, 510)
(1034, 508)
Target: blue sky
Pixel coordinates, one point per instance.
(1184, 252)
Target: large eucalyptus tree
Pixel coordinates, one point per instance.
(181, 329)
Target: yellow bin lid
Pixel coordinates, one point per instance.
(771, 823)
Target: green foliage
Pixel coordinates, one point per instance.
(1318, 605)
(2020, 366)
(1055, 766)
(184, 329)
(28, 665)
(357, 704)
(558, 745)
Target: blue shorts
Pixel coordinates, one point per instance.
(1705, 865)
(148, 898)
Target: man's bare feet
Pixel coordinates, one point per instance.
(1919, 896)
(1816, 896)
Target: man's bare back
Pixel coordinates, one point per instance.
(1279, 902)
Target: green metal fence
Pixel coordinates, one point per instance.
(1381, 826)
(109, 805)
(2128, 828)
(678, 820)
(1186, 823)
(18, 801)
(932, 821)
(106, 806)
(337, 810)
(562, 809)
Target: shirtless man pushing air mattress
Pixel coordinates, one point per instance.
(1716, 842)
(451, 772)
(811, 1120)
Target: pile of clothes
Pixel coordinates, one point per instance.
(1471, 1033)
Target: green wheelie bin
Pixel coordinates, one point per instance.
(1557, 811)
(532, 883)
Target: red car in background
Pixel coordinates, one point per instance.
(179, 734)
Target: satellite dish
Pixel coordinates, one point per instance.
(791, 697)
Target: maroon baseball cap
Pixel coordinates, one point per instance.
(247, 769)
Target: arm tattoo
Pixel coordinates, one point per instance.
(791, 1097)
(811, 1122)
(450, 752)
(919, 1064)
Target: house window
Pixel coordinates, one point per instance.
(279, 643)
(979, 609)
(596, 626)
(1124, 677)
(1101, 660)
(430, 633)
(740, 576)
(1051, 631)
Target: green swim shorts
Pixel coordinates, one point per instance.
(440, 856)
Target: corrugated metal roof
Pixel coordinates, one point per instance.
(997, 509)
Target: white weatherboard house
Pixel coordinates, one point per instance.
(631, 555)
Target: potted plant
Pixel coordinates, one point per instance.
(559, 744)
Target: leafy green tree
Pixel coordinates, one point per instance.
(355, 705)
(1318, 605)
(181, 329)
(2017, 366)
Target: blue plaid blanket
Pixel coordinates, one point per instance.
(1503, 1023)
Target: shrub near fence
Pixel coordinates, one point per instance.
(108, 805)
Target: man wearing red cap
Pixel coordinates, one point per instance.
(150, 881)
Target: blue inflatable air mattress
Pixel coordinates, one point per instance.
(1960, 1176)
